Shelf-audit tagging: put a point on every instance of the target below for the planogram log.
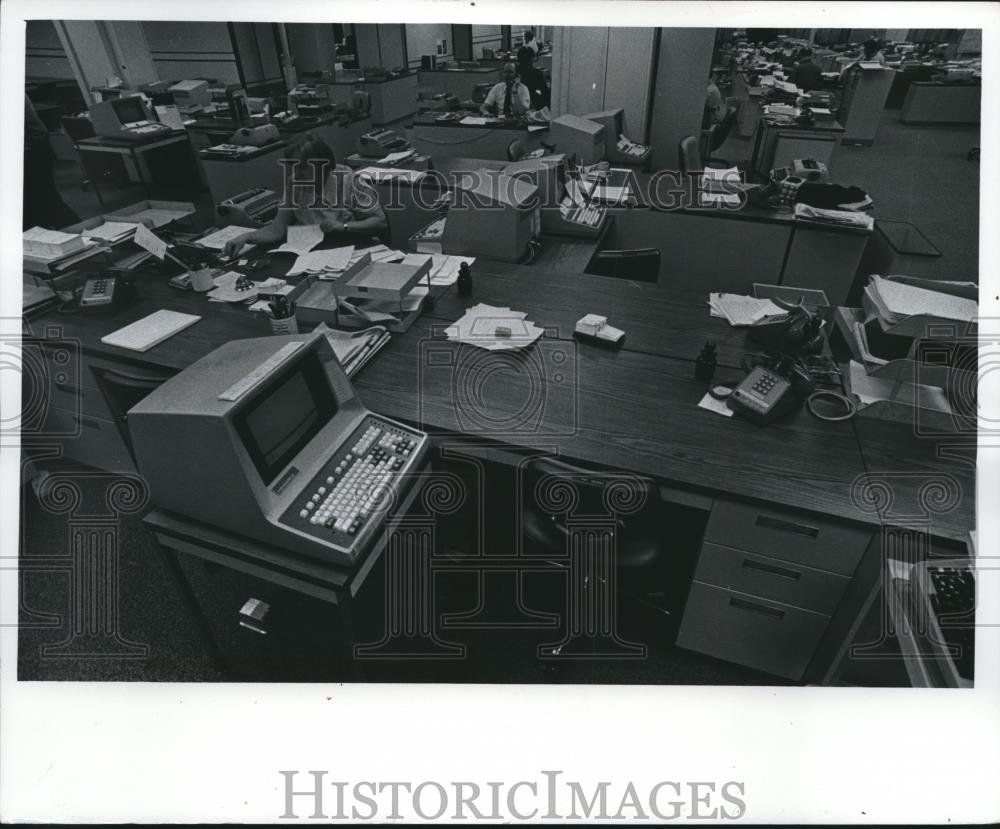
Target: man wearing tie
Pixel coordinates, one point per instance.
(509, 98)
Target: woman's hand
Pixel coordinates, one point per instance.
(235, 245)
(330, 225)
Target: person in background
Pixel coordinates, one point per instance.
(509, 98)
(715, 107)
(530, 42)
(533, 78)
(43, 205)
(871, 51)
(351, 215)
(806, 75)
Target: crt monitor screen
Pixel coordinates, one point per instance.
(129, 109)
(290, 411)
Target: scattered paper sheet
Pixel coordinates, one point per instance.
(717, 406)
(474, 120)
(741, 310)
(145, 238)
(301, 239)
(494, 329)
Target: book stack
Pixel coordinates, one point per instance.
(50, 244)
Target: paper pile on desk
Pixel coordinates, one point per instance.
(323, 263)
(378, 174)
(741, 310)
(840, 218)
(50, 244)
(495, 329)
(110, 232)
(354, 349)
(217, 239)
(896, 301)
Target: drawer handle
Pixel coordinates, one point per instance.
(783, 572)
(787, 526)
(84, 420)
(753, 607)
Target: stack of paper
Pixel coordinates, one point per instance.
(326, 264)
(354, 349)
(379, 174)
(110, 232)
(741, 310)
(897, 301)
(400, 157)
(841, 218)
(50, 244)
(217, 239)
(495, 329)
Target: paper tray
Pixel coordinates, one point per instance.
(158, 213)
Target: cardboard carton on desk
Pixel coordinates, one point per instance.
(340, 302)
(930, 388)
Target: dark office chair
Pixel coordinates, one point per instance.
(719, 136)
(632, 503)
(77, 128)
(641, 265)
(516, 150)
(689, 156)
(121, 392)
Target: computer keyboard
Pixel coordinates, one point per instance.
(146, 128)
(345, 502)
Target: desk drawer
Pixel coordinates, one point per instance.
(759, 633)
(814, 542)
(770, 578)
(90, 440)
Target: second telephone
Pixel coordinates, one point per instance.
(762, 396)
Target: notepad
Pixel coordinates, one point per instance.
(143, 334)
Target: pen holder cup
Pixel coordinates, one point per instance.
(286, 325)
(202, 279)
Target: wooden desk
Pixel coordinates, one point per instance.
(785, 497)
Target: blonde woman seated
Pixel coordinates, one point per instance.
(351, 215)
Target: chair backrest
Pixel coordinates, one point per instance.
(121, 392)
(78, 128)
(516, 150)
(641, 264)
(689, 156)
(723, 130)
(632, 502)
(361, 100)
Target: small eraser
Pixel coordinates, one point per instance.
(502, 331)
